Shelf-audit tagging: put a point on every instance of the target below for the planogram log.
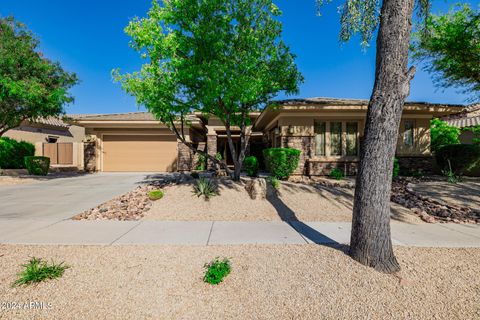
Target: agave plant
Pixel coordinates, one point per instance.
(205, 187)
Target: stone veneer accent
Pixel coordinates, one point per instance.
(304, 144)
(187, 159)
(410, 164)
(323, 168)
(211, 150)
(90, 156)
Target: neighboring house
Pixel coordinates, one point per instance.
(54, 138)
(327, 131)
(469, 117)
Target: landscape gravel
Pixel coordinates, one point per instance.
(266, 282)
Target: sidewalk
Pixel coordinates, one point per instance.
(69, 232)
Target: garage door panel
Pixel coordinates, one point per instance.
(139, 153)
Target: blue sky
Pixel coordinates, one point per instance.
(87, 37)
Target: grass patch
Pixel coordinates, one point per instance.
(217, 270)
(275, 182)
(38, 270)
(336, 174)
(155, 195)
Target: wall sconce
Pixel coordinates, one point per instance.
(276, 131)
(290, 129)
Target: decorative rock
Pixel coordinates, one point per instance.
(256, 188)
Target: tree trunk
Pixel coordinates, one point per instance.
(371, 242)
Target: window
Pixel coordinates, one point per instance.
(320, 130)
(352, 138)
(335, 138)
(408, 133)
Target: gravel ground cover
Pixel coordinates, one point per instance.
(8, 180)
(294, 201)
(266, 282)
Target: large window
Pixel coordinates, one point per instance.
(320, 140)
(409, 126)
(336, 138)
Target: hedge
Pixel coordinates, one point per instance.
(464, 158)
(37, 166)
(13, 152)
(251, 165)
(281, 162)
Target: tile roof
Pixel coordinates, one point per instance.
(52, 121)
(352, 102)
(464, 122)
(129, 116)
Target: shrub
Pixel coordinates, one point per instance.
(251, 166)
(217, 270)
(464, 158)
(336, 174)
(442, 134)
(13, 152)
(155, 195)
(201, 162)
(281, 162)
(396, 168)
(451, 176)
(274, 182)
(218, 156)
(37, 270)
(205, 187)
(37, 166)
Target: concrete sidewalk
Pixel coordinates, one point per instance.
(18, 231)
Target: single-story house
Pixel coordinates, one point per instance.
(327, 131)
(469, 117)
(55, 138)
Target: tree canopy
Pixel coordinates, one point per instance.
(442, 134)
(450, 47)
(220, 58)
(31, 86)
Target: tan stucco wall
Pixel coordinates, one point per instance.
(39, 134)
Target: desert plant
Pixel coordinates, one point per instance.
(459, 158)
(396, 168)
(274, 182)
(13, 152)
(38, 270)
(251, 166)
(281, 162)
(205, 187)
(218, 156)
(336, 173)
(451, 176)
(217, 270)
(37, 166)
(155, 195)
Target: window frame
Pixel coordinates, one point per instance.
(328, 155)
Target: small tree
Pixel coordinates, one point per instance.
(442, 134)
(31, 86)
(450, 46)
(219, 58)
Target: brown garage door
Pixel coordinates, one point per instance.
(139, 153)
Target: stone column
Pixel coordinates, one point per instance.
(184, 157)
(89, 156)
(211, 149)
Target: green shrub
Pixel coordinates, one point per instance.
(464, 158)
(251, 166)
(396, 168)
(206, 188)
(37, 270)
(336, 173)
(37, 166)
(281, 162)
(442, 134)
(13, 152)
(274, 182)
(217, 270)
(155, 195)
(201, 162)
(451, 176)
(218, 156)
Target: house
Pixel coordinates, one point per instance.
(468, 118)
(327, 131)
(54, 138)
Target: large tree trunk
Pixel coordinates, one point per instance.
(370, 242)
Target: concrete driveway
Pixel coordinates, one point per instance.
(62, 198)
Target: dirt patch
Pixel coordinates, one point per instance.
(9, 181)
(438, 206)
(294, 201)
(267, 282)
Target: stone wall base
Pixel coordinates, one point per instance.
(323, 168)
(411, 165)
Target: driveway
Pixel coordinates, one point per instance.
(62, 198)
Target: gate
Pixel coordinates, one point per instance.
(59, 153)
